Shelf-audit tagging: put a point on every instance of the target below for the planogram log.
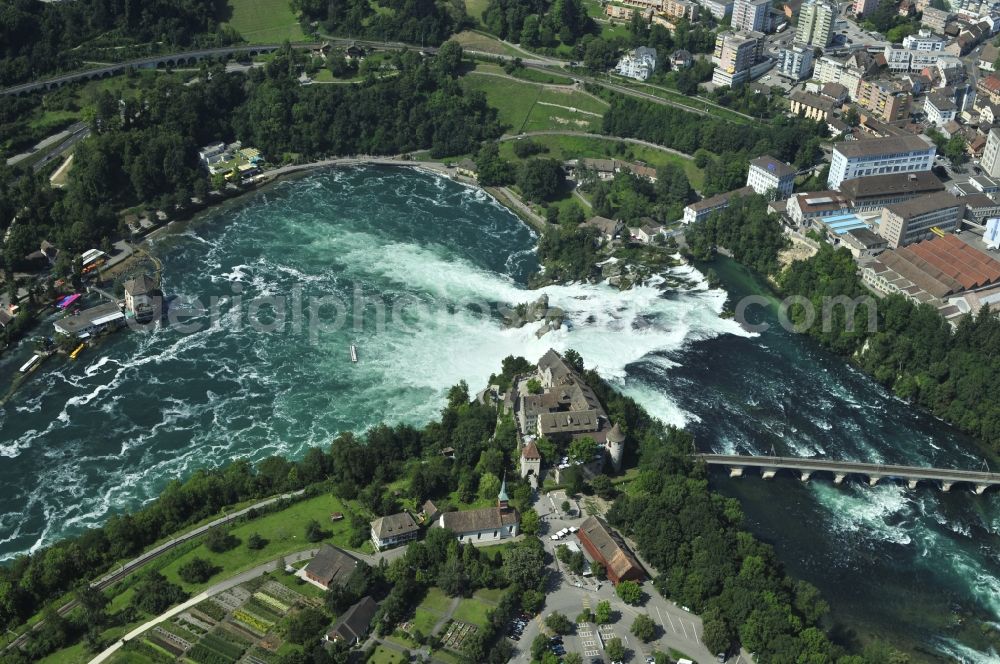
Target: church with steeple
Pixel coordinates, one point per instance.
(487, 525)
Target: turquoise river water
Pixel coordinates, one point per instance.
(410, 267)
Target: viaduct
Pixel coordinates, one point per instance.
(912, 475)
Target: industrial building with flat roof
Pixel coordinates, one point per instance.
(944, 272)
(875, 192)
(880, 156)
(921, 218)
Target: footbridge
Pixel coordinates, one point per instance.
(872, 472)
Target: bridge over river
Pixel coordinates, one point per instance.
(770, 465)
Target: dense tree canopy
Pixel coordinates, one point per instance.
(423, 22)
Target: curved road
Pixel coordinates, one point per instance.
(157, 551)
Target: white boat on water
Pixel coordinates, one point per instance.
(354, 353)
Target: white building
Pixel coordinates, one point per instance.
(992, 235)
(990, 161)
(393, 530)
(940, 108)
(877, 156)
(486, 525)
(771, 177)
(925, 40)
(720, 9)
(795, 62)
(639, 64)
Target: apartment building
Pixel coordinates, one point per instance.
(750, 15)
(878, 156)
(990, 161)
(884, 101)
(679, 9)
(815, 26)
(719, 9)
(940, 107)
(808, 105)
(913, 220)
(795, 62)
(935, 19)
(865, 7)
(735, 54)
(771, 177)
(924, 40)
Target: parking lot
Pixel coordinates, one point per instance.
(571, 594)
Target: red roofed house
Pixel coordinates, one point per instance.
(607, 547)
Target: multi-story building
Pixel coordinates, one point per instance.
(639, 64)
(679, 9)
(699, 211)
(990, 161)
(900, 59)
(808, 105)
(655, 5)
(924, 40)
(803, 209)
(750, 15)
(940, 107)
(865, 7)
(719, 9)
(771, 177)
(935, 19)
(884, 101)
(878, 156)
(913, 220)
(795, 62)
(845, 72)
(815, 25)
(877, 191)
(735, 54)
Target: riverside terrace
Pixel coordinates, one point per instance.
(770, 465)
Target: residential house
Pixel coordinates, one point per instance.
(638, 64)
(940, 107)
(393, 530)
(330, 567)
(647, 232)
(681, 59)
(352, 627)
(811, 106)
(609, 229)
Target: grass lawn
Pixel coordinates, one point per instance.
(475, 8)
(472, 611)
(517, 104)
(436, 601)
(265, 21)
(491, 595)
(425, 621)
(383, 655)
(475, 41)
(284, 532)
(298, 585)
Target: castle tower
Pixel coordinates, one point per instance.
(616, 447)
(502, 499)
(531, 460)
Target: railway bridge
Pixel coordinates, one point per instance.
(873, 472)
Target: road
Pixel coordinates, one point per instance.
(222, 586)
(137, 563)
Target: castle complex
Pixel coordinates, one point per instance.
(564, 410)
